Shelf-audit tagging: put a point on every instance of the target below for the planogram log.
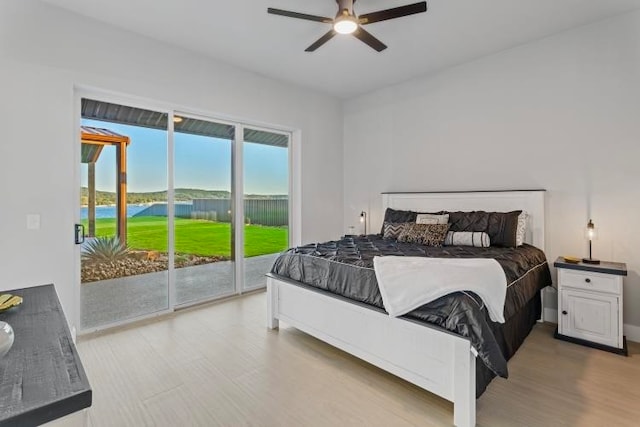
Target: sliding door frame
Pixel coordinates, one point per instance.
(293, 236)
(81, 92)
(234, 212)
(237, 192)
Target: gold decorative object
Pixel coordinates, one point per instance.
(7, 301)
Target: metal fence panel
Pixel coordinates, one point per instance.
(270, 212)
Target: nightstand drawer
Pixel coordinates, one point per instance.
(587, 280)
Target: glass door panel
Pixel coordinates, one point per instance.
(266, 202)
(203, 215)
(124, 259)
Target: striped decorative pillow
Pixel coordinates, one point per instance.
(392, 230)
(479, 239)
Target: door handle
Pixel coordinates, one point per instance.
(564, 312)
(79, 234)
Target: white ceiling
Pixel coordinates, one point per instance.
(241, 32)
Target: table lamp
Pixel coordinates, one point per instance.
(591, 234)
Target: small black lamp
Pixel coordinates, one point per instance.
(591, 234)
(363, 219)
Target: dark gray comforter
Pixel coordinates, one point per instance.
(345, 268)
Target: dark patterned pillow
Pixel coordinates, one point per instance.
(396, 216)
(500, 226)
(424, 234)
(391, 230)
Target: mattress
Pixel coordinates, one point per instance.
(345, 268)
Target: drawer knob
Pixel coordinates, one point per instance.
(564, 312)
(587, 280)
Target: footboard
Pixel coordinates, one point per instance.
(435, 360)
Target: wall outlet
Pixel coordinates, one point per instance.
(33, 222)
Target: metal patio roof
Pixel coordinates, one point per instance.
(122, 114)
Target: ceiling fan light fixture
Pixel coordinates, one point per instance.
(345, 24)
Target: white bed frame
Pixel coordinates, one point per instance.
(431, 358)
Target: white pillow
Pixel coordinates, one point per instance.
(479, 239)
(522, 228)
(432, 219)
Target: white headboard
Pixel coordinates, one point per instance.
(532, 202)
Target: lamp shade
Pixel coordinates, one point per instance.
(590, 233)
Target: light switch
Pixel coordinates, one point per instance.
(33, 222)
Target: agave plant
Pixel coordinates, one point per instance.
(104, 249)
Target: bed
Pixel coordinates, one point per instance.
(448, 347)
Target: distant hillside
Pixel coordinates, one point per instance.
(181, 195)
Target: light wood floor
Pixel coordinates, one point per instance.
(219, 365)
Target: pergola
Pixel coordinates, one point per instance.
(93, 141)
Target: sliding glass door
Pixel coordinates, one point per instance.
(176, 208)
(203, 215)
(124, 258)
(266, 202)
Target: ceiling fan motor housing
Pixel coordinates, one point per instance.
(345, 5)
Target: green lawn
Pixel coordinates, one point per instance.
(198, 237)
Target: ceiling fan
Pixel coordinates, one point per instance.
(347, 22)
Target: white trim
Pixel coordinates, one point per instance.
(632, 332)
(549, 294)
(123, 322)
(207, 300)
(77, 179)
(551, 315)
(237, 211)
(171, 211)
(295, 188)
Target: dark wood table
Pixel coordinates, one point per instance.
(41, 377)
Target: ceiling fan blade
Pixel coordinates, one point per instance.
(366, 37)
(322, 40)
(290, 14)
(396, 12)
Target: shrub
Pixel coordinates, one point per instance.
(104, 249)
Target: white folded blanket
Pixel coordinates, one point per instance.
(407, 283)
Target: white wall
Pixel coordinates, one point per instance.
(561, 114)
(45, 51)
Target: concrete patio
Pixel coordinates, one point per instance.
(108, 301)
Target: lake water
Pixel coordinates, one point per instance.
(110, 211)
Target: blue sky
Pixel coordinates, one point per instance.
(200, 162)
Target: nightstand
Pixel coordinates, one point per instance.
(590, 304)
